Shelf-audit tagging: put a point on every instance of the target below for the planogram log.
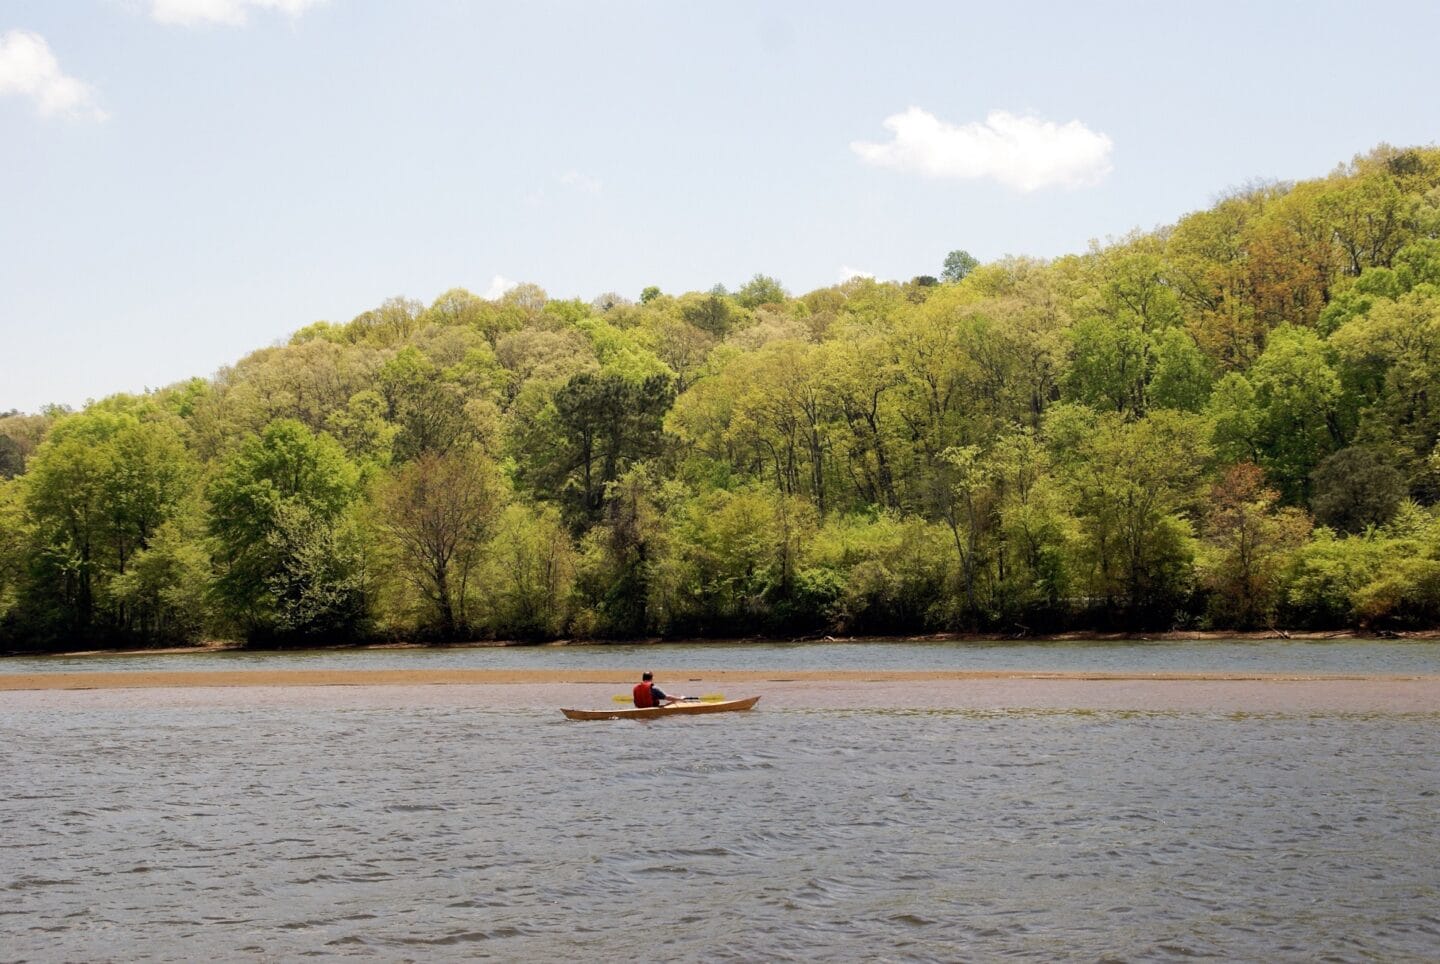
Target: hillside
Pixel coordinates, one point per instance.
(1227, 423)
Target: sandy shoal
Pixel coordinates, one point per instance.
(780, 690)
(153, 679)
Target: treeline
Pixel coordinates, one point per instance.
(1228, 423)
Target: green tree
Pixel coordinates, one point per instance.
(528, 574)
(773, 419)
(14, 541)
(957, 265)
(966, 503)
(460, 308)
(599, 426)
(361, 426)
(1182, 377)
(761, 290)
(438, 512)
(862, 377)
(429, 412)
(714, 313)
(678, 345)
(1385, 576)
(12, 461)
(1205, 264)
(1034, 532)
(1369, 216)
(885, 572)
(304, 381)
(1356, 488)
(1249, 543)
(1285, 414)
(1387, 361)
(97, 491)
(1135, 486)
(389, 324)
(621, 554)
(1111, 365)
(735, 559)
(1127, 328)
(291, 565)
(165, 591)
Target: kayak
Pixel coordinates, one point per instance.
(674, 709)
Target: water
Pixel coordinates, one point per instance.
(287, 827)
(1267, 656)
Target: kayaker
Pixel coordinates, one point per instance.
(647, 694)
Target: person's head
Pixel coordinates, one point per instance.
(647, 677)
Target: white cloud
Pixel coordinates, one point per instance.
(847, 273)
(1025, 153)
(581, 182)
(188, 13)
(498, 286)
(29, 69)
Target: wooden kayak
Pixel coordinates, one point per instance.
(674, 709)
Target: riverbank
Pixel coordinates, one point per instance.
(509, 677)
(1298, 635)
(547, 690)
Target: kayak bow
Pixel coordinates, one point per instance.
(674, 709)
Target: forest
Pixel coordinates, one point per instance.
(1227, 423)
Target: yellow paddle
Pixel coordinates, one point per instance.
(707, 698)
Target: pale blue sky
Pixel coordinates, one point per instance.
(187, 180)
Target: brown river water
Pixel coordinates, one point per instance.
(954, 820)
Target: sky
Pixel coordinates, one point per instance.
(185, 181)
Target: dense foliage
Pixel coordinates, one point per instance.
(1230, 423)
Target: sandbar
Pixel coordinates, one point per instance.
(153, 679)
(788, 690)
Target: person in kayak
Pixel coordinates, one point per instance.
(647, 694)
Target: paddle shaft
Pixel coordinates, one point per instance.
(707, 698)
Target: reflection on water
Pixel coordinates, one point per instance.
(165, 833)
(1261, 656)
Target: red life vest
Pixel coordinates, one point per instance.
(643, 698)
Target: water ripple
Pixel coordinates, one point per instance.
(168, 834)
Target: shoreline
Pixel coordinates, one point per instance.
(246, 678)
(1259, 635)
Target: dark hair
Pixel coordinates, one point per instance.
(645, 676)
